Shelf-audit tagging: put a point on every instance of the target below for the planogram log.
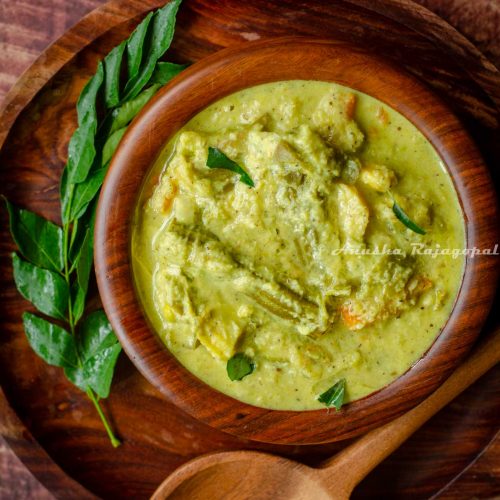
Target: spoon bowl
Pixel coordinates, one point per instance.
(237, 474)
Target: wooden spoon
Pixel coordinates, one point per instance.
(243, 475)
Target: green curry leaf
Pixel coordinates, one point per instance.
(112, 67)
(45, 289)
(111, 144)
(38, 239)
(239, 366)
(83, 270)
(123, 115)
(135, 45)
(79, 232)
(334, 396)
(84, 264)
(165, 71)
(401, 215)
(81, 149)
(96, 334)
(160, 37)
(85, 192)
(98, 349)
(51, 342)
(99, 369)
(217, 159)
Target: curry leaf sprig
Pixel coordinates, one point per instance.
(56, 264)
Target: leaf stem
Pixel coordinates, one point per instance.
(114, 440)
(67, 241)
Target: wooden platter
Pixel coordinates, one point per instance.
(52, 426)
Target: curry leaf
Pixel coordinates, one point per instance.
(401, 215)
(160, 37)
(98, 349)
(65, 194)
(99, 369)
(165, 71)
(78, 301)
(79, 232)
(95, 335)
(51, 342)
(76, 376)
(38, 239)
(83, 270)
(334, 396)
(45, 289)
(122, 116)
(239, 366)
(111, 144)
(84, 193)
(217, 159)
(84, 265)
(112, 67)
(135, 45)
(81, 149)
(86, 104)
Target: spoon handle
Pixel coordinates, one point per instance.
(352, 464)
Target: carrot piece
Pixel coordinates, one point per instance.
(169, 200)
(352, 321)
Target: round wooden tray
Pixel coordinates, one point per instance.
(51, 425)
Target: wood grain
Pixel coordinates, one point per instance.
(63, 422)
(208, 81)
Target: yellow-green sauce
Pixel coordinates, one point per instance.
(283, 271)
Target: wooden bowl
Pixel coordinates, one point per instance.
(226, 72)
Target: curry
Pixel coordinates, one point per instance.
(281, 228)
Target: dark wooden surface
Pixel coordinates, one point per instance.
(62, 417)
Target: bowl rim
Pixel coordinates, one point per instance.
(223, 73)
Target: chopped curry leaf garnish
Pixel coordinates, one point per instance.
(401, 215)
(217, 159)
(334, 396)
(239, 366)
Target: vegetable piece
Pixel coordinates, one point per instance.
(401, 215)
(45, 289)
(239, 366)
(38, 239)
(334, 396)
(217, 159)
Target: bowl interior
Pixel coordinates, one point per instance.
(229, 71)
